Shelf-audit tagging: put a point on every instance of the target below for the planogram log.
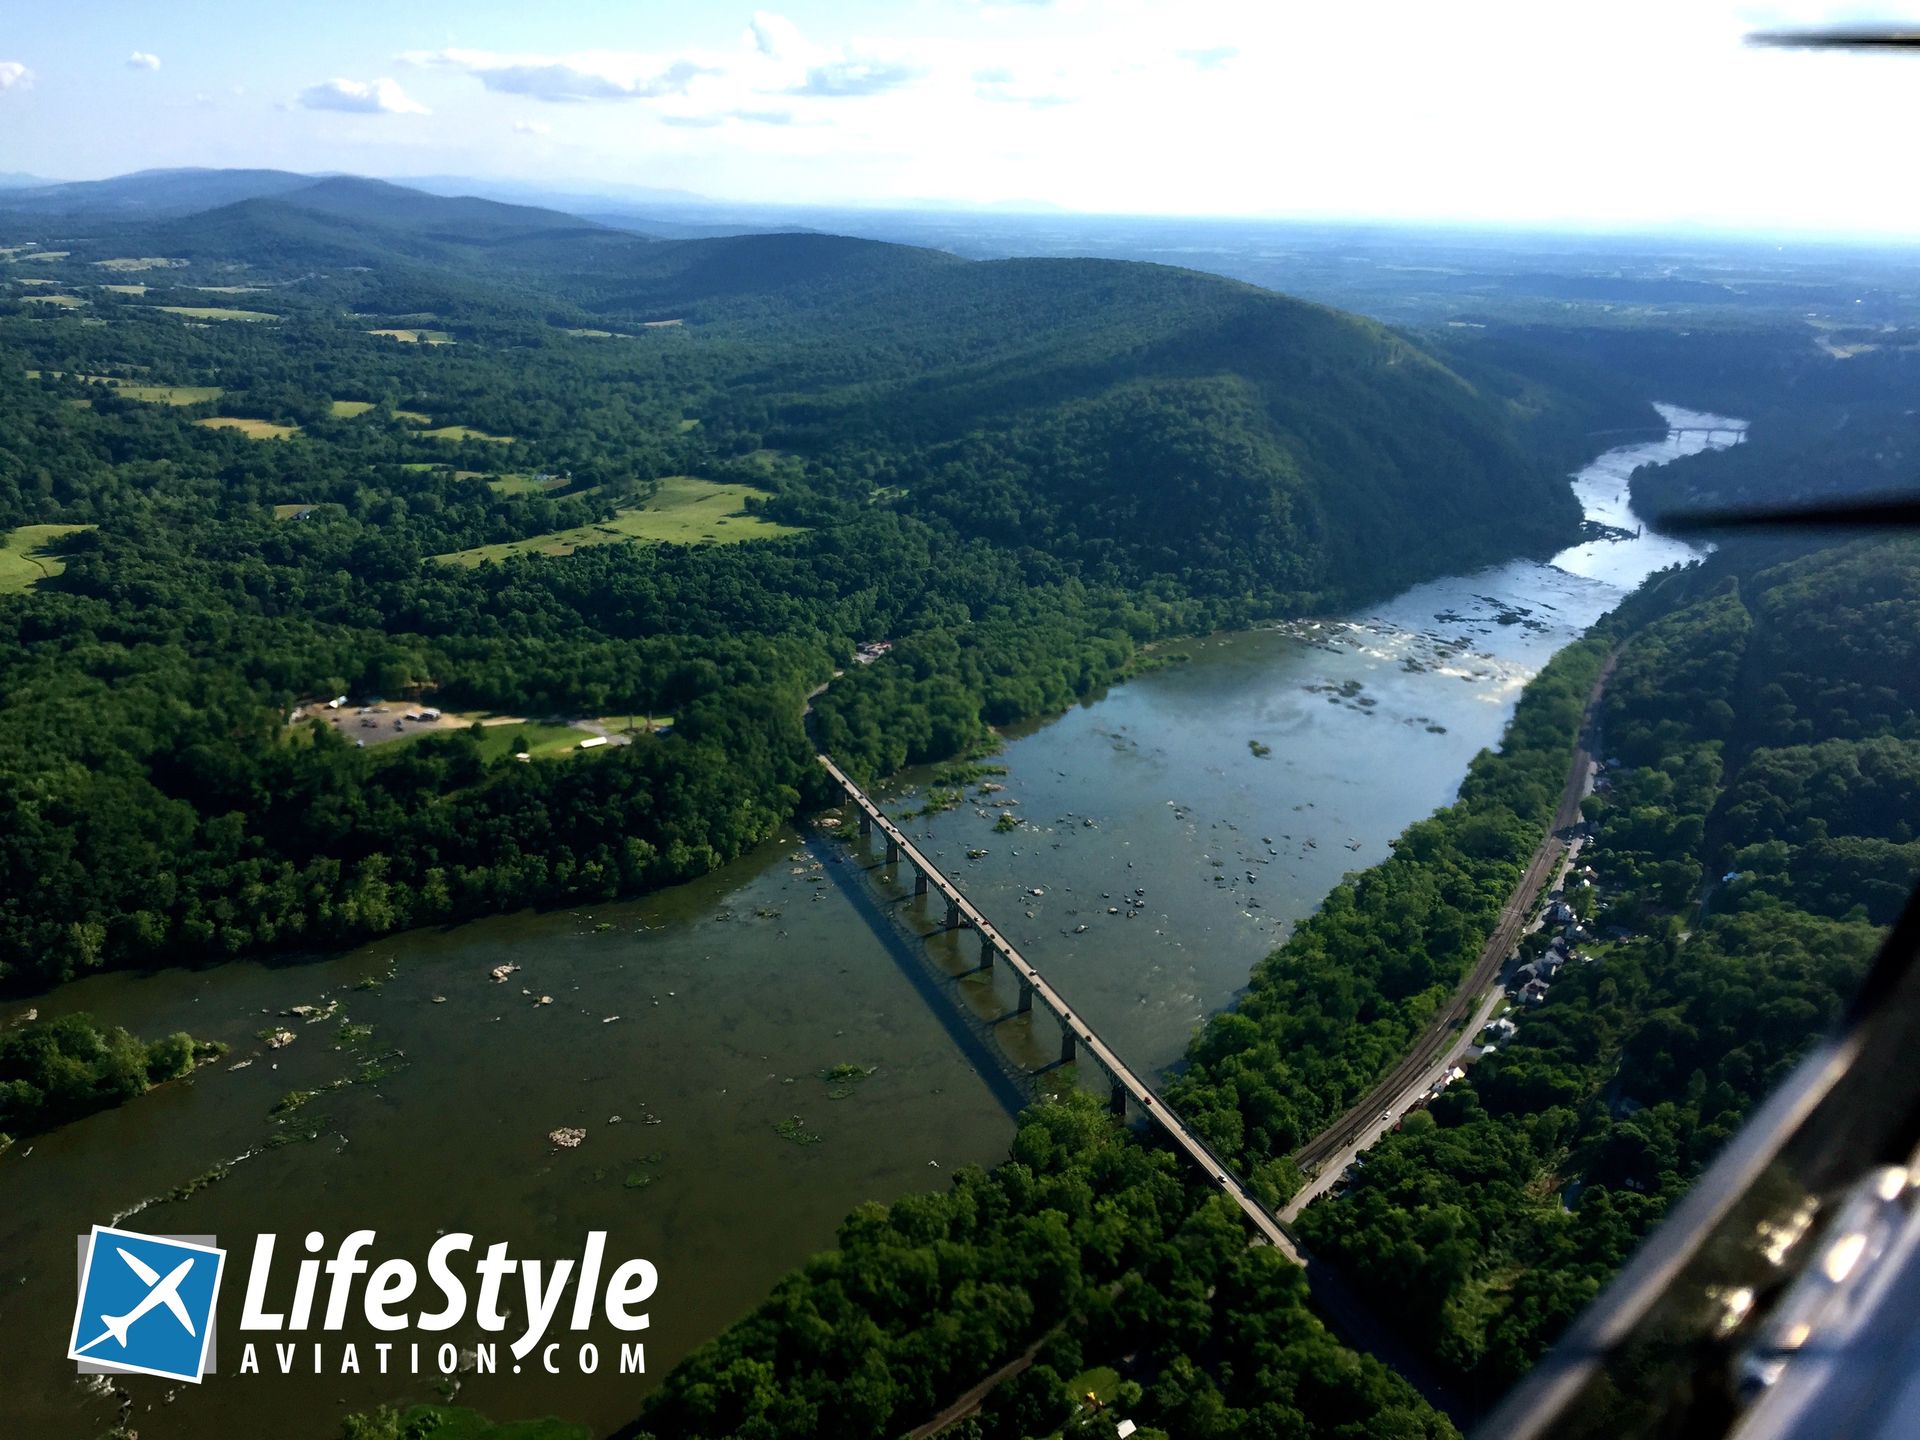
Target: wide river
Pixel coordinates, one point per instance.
(705, 1018)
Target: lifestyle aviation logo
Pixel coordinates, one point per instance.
(146, 1304)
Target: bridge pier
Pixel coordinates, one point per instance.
(866, 826)
(1117, 1099)
(893, 851)
(1025, 1006)
(986, 953)
(1067, 1045)
(919, 881)
(953, 914)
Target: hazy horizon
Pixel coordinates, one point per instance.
(1638, 118)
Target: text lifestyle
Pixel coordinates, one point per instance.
(390, 1284)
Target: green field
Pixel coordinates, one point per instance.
(44, 255)
(226, 289)
(65, 302)
(416, 337)
(152, 394)
(413, 417)
(463, 432)
(168, 394)
(252, 429)
(1103, 1382)
(21, 563)
(215, 312)
(33, 280)
(685, 511)
(141, 262)
(541, 738)
(516, 483)
(125, 289)
(347, 409)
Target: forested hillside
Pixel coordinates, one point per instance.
(345, 439)
(1752, 840)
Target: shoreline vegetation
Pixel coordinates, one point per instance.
(56, 1071)
(1020, 473)
(1483, 1224)
(1011, 477)
(1125, 1265)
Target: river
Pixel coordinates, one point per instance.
(704, 1018)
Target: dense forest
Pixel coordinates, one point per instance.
(339, 479)
(1751, 841)
(1325, 1015)
(345, 440)
(1085, 1241)
(53, 1071)
(1488, 1219)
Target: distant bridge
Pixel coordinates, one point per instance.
(1076, 1034)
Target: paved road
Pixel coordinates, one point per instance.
(1085, 1037)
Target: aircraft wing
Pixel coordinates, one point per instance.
(148, 1275)
(169, 1294)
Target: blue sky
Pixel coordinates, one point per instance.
(1636, 112)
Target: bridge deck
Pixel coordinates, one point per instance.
(1084, 1034)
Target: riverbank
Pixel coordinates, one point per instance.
(764, 979)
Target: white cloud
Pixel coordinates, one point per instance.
(532, 127)
(853, 76)
(14, 75)
(143, 60)
(591, 75)
(362, 97)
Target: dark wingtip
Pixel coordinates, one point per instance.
(1873, 512)
(1837, 39)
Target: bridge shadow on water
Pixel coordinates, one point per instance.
(859, 879)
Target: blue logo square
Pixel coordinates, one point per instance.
(146, 1304)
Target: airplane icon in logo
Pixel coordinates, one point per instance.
(161, 1292)
(126, 1279)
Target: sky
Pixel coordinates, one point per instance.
(1627, 114)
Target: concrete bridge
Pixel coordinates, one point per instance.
(1077, 1036)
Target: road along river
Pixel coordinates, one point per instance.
(710, 1019)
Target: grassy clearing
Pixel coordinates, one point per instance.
(33, 280)
(661, 324)
(252, 429)
(22, 562)
(227, 289)
(347, 409)
(215, 312)
(541, 740)
(516, 483)
(1103, 1382)
(43, 255)
(685, 511)
(412, 417)
(64, 302)
(416, 337)
(152, 394)
(141, 262)
(465, 432)
(169, 394)
(126, 289)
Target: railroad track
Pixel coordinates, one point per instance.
(1433, 1041)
